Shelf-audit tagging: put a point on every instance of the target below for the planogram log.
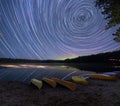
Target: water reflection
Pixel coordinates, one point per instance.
(25, 72)
(21, 66)
(37, 66)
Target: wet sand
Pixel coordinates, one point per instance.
(97, 93)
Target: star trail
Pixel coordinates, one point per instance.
(53, 29)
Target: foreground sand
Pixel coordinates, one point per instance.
(97, 93)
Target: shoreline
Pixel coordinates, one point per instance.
(98, 93)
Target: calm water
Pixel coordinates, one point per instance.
(25, 72)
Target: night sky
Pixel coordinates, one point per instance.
(53, 29)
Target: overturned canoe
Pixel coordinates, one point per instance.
(80, 80)
(109, 73)
(102, 77)
(68, 84)
(51, 82)
(37, 83)
(113, 73)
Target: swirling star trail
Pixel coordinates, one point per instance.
(53, 29)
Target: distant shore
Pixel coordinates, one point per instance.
(96, 67)
(101, 62)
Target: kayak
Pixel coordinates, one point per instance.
(113, 73)
(37, 83)
(68, 84)
(51, 82)
(80, 80)
(102, 77)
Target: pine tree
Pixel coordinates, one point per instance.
(111, 9)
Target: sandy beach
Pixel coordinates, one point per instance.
(97, 93)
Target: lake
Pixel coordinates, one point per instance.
(25, 72)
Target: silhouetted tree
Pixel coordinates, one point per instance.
(111, 8)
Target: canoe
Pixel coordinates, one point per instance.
(68, 84)
(51, 82)
(80, 80)
(102, 77)
(113, 73)
(37, 83)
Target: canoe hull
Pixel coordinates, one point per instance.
(68, 84)
(51, 82)
(103, 77)
(80, 80)
(114, 73)
(37, 83)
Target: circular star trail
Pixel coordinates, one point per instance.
(53, 29)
